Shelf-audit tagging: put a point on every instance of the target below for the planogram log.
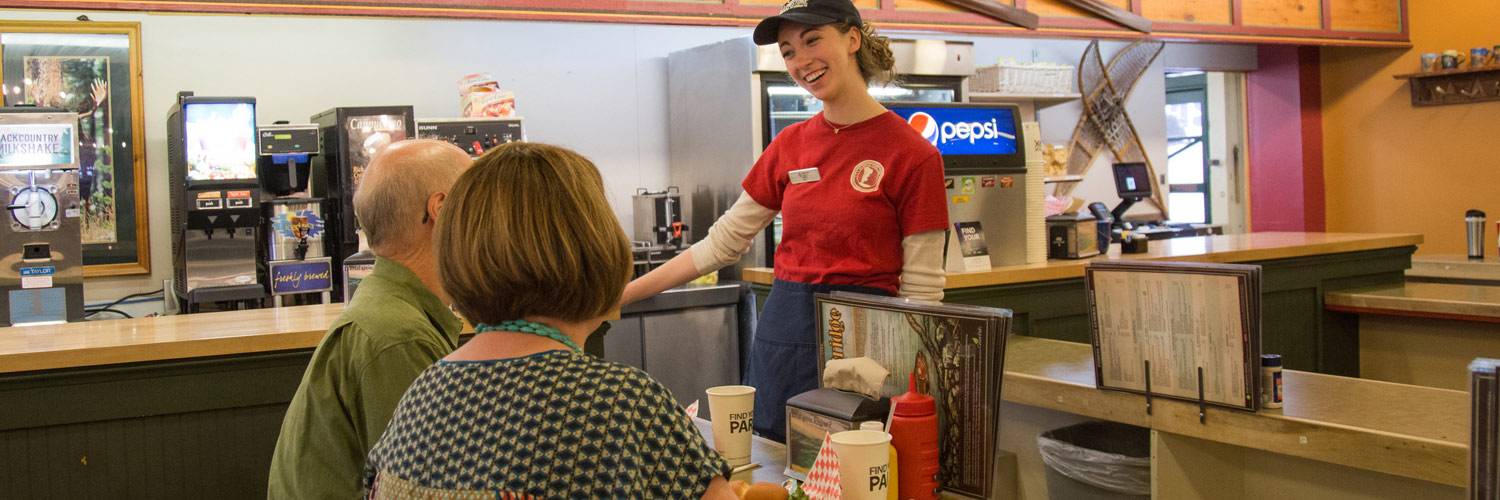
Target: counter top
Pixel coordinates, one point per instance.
(1404, 430)
(1420, 299)
(1455, 268)
(95, 343)
(1223, 248)
(118, 341)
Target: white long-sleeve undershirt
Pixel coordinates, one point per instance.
(922, 275)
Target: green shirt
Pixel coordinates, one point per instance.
(393, 328)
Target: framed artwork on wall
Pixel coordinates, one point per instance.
(94, 70)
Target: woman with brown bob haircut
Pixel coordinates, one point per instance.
(531, 253)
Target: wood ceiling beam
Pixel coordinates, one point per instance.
(1115, 14)
(1006, 13)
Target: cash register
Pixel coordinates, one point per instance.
(1133, 184)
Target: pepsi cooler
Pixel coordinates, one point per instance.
(984, 174)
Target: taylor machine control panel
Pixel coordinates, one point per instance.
(41, 244)
(215, 192)
(473, 135)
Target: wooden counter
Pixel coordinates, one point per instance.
(1422, 300)
(1422, 333)
(1408, 431)
(1455, 269)
(1224, 248)
(1049, 301)
(109, 342)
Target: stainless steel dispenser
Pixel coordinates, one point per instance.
(41, 247)
(294, 227)
(659, 232)
(211, 159)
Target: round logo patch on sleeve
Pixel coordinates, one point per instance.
(866, 176)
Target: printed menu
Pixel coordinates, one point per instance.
(1180, 317)
(957, 353)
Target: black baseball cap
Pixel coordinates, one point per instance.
(809, 12)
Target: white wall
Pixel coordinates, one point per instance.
(598, 88)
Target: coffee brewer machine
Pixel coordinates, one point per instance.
(292, 223)
(473, 135)
(659, 231)
(351, 138)
(41, 278)
(215, 195)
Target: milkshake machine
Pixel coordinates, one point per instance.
(473, 135)
(41, 274)
(352, 136)
(292, 224)
(215, 195)
(659, 231)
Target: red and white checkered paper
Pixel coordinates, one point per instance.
(823, 480)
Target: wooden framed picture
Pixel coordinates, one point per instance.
(94, 70)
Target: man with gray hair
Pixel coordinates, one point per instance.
(396, 325)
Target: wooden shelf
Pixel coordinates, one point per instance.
(1040, 98)
(1453, 86)
(1448, 72)
(1062, 178)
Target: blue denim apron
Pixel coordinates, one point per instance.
(784, 352)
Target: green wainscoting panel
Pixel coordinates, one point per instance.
(1293, 322)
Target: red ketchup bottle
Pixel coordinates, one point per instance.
(914, 433)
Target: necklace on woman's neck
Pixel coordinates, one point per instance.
(837, 128)
(534, 328)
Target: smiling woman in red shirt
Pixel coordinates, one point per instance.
(860, 193)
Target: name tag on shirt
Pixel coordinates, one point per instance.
(804, 175)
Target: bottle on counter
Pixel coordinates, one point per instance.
(914, 433)
(892, 493)
(1271, 394)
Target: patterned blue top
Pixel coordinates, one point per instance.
(556, 424)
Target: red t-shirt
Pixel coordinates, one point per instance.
(878, 182)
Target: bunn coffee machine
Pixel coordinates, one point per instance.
(293, 226)
(659, 232)
(473, 135)
(41, 274)
(215, 195)
(352, 136)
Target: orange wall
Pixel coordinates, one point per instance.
(1392, 167)
(1395, 168)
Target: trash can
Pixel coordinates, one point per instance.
(1097, 461)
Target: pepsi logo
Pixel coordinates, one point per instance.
(924, 124)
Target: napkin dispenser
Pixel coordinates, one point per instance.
(1072, 236)
(813, 413)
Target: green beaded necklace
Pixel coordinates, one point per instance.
(531, 327)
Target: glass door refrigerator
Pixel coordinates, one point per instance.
(729, 99)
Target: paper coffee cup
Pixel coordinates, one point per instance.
(864, 464)
(731, 410)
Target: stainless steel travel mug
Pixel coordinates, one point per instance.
(1474, 220)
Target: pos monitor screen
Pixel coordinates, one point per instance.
(1132, 180)
(220, 139)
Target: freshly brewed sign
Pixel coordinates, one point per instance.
(307, 276)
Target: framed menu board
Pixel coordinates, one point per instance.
(1197, 327)
(957, 353)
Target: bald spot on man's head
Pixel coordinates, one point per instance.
(392, 196)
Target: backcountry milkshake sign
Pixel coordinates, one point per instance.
(36, 145)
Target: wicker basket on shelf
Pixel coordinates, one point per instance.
(1011, 77)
